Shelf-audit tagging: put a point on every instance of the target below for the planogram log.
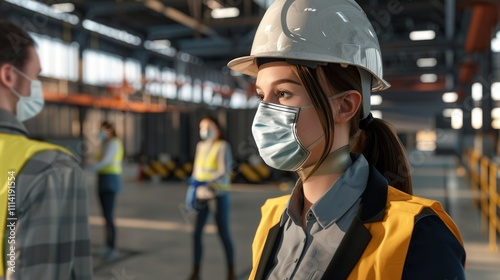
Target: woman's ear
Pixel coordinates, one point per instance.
(7, 79)
(348, 105)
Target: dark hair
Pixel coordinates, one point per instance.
(109, 126)
(220, 135)
(378, 142)
(14, 44)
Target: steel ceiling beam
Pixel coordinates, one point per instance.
(450, 14)
(416, 46)
(178, 16)
(233, 22)
(168, 31)
(111, 9)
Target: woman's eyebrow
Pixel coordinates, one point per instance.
(282, 81)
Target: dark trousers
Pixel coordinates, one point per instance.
(109, 185)
(107, 200)
(222, 221)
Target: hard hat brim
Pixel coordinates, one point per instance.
(245, 65)
(248, 66)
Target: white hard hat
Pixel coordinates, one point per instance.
(322, 31)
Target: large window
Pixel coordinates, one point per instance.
(133, 73)
(197, 91)
(153, 78)
(169, 87)
(58, 59)
(186, 89)
(208, 92)
(100, 68)
(238, 100)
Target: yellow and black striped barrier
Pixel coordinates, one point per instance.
(181, 171)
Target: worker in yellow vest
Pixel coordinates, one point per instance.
(43, 198)
(211, 178)
(109, 170)
(351, 214)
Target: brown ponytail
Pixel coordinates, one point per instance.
(378, 142)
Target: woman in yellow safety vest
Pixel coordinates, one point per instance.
(211, 180)
(351, 214)
(109, 170)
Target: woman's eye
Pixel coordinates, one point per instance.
(283, 94)
(260, 96)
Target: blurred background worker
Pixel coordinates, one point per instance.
(109, 169)
(212, 167)
(51, 238)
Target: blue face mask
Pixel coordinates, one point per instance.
(101, 135)
(274, 130)
(29, 106)
(206, 134)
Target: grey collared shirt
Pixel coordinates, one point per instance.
(52, 231)
(305, 254)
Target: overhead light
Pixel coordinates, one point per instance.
(428, 78)
(495, 43)
(422, 35)
(111, 32)
(162, 43)
(477, 118)
(64, 7)
(225, 13)
(375, 100)
(426, 62)
(160, 46)
(457, 118)
(477, 91)
(46, 10)
(495, 124)
(495, 113)
(495, 91)
(450, 97)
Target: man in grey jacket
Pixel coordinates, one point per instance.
(46, 232)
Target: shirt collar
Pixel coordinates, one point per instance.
(294, 208)
(343, 195)
(10, 124)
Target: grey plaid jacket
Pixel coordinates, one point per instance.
(52, 231)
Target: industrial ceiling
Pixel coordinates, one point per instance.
(463, 30)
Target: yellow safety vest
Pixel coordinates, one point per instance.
(385, 255)
(206, 161)
(15, 151)
(116, 166)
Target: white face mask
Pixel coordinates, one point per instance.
(29, 106)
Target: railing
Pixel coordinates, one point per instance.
(484, 178)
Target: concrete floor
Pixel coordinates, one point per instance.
(154, 234)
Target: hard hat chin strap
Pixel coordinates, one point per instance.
(366, 87)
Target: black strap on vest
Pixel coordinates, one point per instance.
(269, 251)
